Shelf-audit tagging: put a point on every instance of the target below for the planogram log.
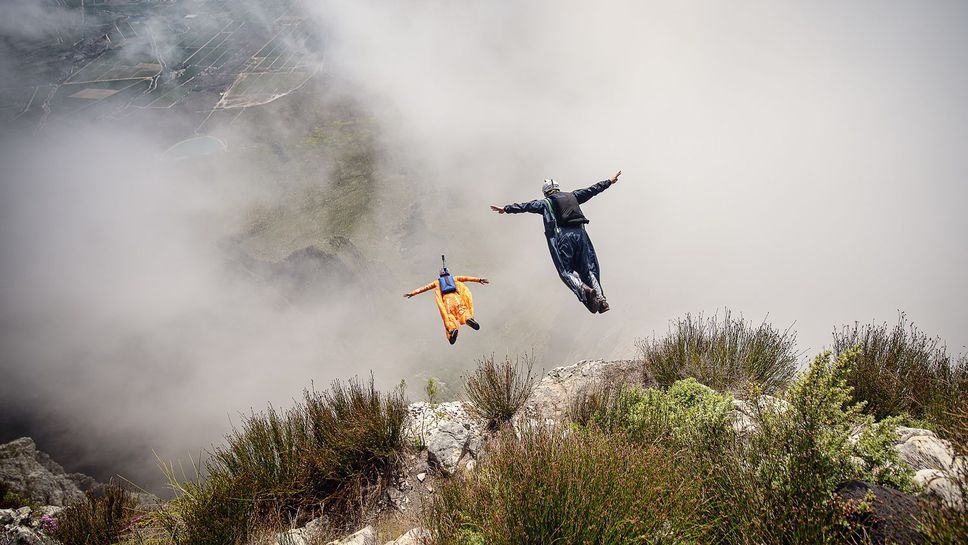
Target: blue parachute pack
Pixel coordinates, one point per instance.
(446, 281)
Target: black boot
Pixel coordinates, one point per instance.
(473, 323)
(602, 305)
(452, 337)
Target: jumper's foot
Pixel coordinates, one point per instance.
(591, 299)
(473, 323)
(452, 337)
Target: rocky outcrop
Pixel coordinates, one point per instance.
(450, 431)
(366, 536)
(306, 535)
(311, 533)
(746, 412)
(890, 517)
(943, 485)
(935, 463)
(32, 473)
(25, 526)
(922, 449)
(557, 391)
(417, 536)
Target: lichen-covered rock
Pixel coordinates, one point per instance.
(417, 536)
(942, 485)
(24, 526)
(366, 536)
(307, 535)
(28, 470)
(922, 449)
(22, 535)
(558, 390)
(7, 516)
(746, 412)
(450, 432)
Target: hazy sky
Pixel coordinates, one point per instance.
(803, 163)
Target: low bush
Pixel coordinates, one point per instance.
(12, 499)
(499, 390)
(902, 371)
(686, 416)
(774, 484)
(585, 486)
(333, 453)
(778, 488)
(725, 355)
(100, 519)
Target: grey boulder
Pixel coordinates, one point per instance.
(366, 536)
(417, 536)
(28, 470)
(450, 432)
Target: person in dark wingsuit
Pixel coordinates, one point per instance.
(571, 249)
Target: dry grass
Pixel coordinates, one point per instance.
(99, 520)
(579, 487)
(499, 390)
(728, 354)
(943, 525)
(901, 371)
(333, 454)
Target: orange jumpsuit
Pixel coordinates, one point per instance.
(456, 307)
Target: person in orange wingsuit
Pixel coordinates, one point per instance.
(454, 300)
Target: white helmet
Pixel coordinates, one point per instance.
(549, 186)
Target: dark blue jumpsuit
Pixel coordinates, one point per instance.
(571, 249)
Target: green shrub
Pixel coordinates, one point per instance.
(778, 487)
(12, 499)
(331, 454)
(775, 485)
(772, 485)
(100, 519)
(902, 371)
(876, 447)
(687, 415)
(725, 355)
(499, 390)
(580, 487)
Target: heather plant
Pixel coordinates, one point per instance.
(99, 519)
(499, 390)
(584, 486)
(333, 453)
(726, 354)
(902, 371)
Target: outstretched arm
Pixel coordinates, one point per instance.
(584, 194)
(472, 279)
(420, 290)
(535, 207)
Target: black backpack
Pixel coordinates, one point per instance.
(566, 209)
